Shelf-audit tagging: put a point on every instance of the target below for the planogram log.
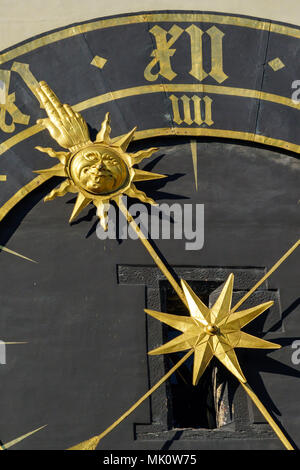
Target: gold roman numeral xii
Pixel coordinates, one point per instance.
(161, 63)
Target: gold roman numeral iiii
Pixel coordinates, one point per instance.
(192, 110)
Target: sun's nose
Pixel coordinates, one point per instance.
(100, 164)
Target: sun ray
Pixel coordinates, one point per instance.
(21, 438)
(61, 156)
(137, 194)
(124, 141)
(80, 204)
(104, 133)
(3, 248)
(138, 157)
(141, 175)
(65, 187)
(56, 170)
(102, 212)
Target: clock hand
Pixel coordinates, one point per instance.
(262, 280)
(267, 416)
(19, 439)
(219, 338)
(151, 251)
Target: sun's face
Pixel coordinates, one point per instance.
(99, 170)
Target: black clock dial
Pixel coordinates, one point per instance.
(227, 136)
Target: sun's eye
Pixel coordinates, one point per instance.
(110, 159)
(91, 156)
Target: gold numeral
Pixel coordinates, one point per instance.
(193, 110)
(27, 76)
(163, 53)
(8, 107)
(216, 53)
(7, 103)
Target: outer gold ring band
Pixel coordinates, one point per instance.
(148, 18)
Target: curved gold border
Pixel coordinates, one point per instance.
(26, 189)
(162, 88)
(224, 133)
(188, 88)
(16, 139)
(148, 18)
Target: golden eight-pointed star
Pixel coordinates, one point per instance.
(212, 331)
(98, 171)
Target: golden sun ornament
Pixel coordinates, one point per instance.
(100, 171)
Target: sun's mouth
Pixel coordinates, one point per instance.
(97, 180)
(96, 177)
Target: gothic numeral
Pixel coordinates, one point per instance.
(8, 107)
(192, 110)
(7, 103)
(216, 53)
(24, 71)
(163, 53)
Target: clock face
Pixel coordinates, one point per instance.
(227, 141)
